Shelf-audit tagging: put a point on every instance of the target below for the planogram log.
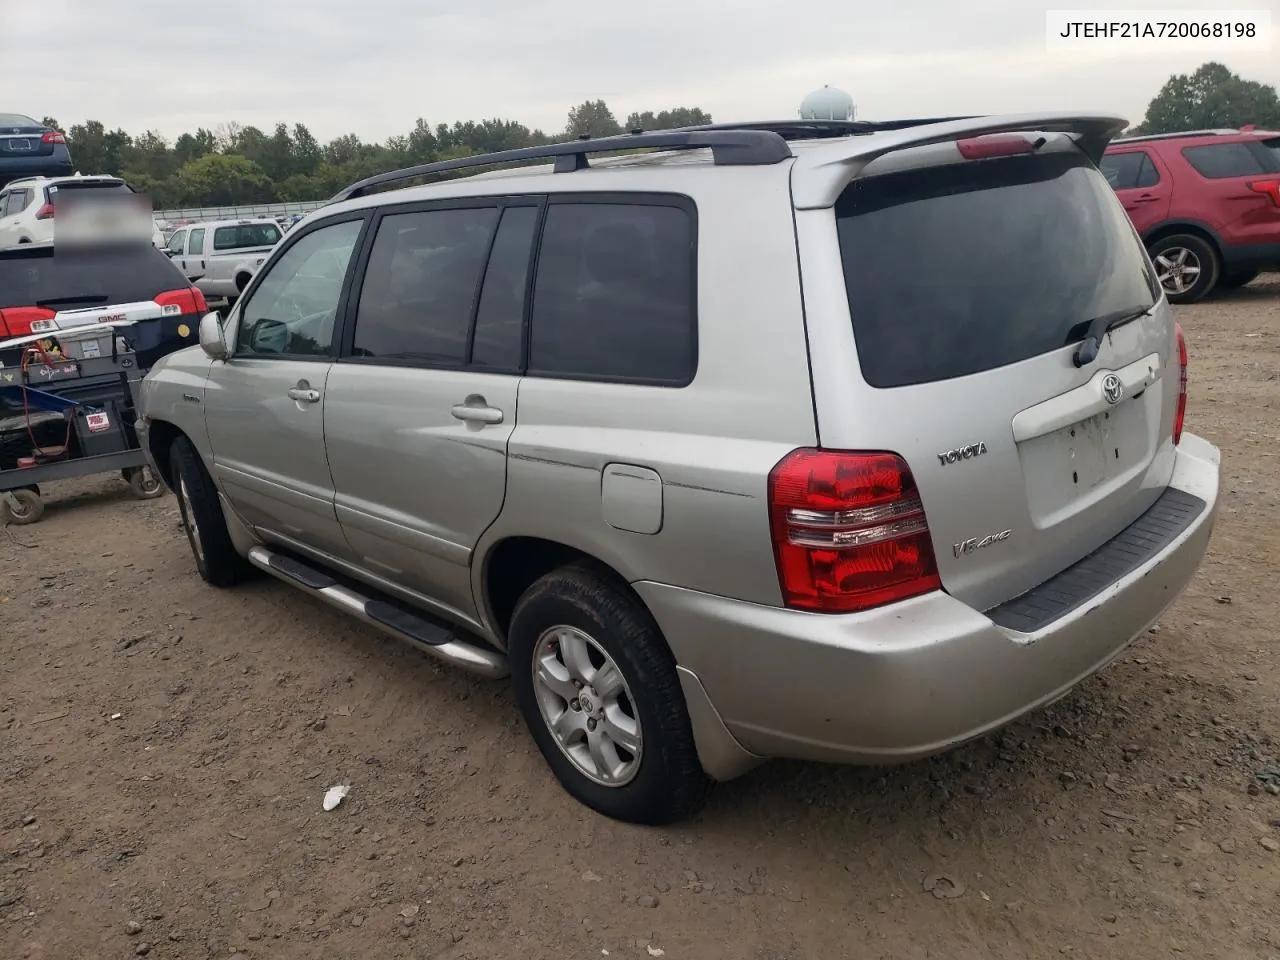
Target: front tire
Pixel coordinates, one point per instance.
(597, 686)
(24, 508)
(216, 559)
(1187, 267)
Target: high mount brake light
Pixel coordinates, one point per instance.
(1181, 412)
(995, 145)
(849, 531)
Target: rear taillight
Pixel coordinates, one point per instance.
(849, 531)
(994, 145)
(53, 136)
(17, 321)
(1270, 188)
(188, 300)
(45, 212)
(1181, 412)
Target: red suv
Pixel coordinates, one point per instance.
(1206, 203)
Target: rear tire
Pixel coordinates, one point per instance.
(216, 559)
(1187, 266)
(1230, 281)
(625, 743)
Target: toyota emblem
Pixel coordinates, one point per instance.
(1112, 388)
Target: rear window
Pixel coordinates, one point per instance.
(16, 120)
(67, 281)
(959, 269)
(1218, 161)
(245, 235)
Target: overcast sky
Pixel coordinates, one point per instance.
(371, 67)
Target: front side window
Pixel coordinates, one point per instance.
(420, 287)
(176, 241)
(614, 294)
(292, 310)
(1122, 169)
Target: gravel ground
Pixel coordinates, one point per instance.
(164, 748)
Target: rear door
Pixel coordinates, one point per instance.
(265, 405)
(1145, 190)
(422, 404)
(1237, 184)
(967, 286)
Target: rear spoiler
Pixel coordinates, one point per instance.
(820, 175)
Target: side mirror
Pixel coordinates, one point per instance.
(268, 336)
(211, 339)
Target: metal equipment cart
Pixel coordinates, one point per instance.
(90, 384)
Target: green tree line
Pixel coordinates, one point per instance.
(1212, 97)
(238, 164)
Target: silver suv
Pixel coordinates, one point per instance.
(839, 441)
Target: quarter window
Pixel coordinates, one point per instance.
(292, 310)
(1218, 161)
(614, 293)
(420, 287)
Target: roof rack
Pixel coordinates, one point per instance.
(1218, 132)
(730, 146)
(822, 129)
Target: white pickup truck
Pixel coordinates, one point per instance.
(219, 257)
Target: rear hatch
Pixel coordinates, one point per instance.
(971, 277)
(24, 137)
(63, 296)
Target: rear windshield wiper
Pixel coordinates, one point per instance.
(1087, 352)
(64, 301)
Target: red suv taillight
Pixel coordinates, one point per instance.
(1181, 412)
(849, 531)
(1270, 188)
(53, 136)
(45, 212)
(16, 321)
(188, 300)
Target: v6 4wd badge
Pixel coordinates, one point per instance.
(966, 547)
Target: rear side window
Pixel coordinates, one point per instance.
(421, 284)
(1218, 161)
(245, 235)
(614, 294)
(67, 281)
(959, 269)
(500, 317)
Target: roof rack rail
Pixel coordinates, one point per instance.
(1218, 132)
(729, 147)
(820, 129)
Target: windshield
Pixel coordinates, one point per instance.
(246, 235)
(962, 268)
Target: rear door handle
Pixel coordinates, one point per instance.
(304, 395)
(473, 412)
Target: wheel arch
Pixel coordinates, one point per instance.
(161, 435)
(1172, 228)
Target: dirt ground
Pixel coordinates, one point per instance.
(164, 748)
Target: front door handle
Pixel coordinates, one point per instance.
(304, 395)
(476, 410)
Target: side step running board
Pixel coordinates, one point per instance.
(418, 631)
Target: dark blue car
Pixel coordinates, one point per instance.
(30, 149)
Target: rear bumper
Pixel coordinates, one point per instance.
(915, 678)
(55, 165)
(1254, 256)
